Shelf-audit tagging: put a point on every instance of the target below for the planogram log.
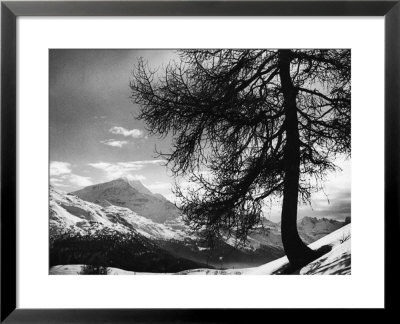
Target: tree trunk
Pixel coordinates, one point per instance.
(296, 251)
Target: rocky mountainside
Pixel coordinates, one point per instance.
(312, 228)
(132, 195)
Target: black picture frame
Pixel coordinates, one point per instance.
(11, 10)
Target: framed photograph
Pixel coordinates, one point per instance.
(197, 155)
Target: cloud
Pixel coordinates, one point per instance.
(123, 169)
(61, 176)
(338, 206)
(135, 177)
(114, 143)
(159, 186)
(79, 180)
(135, 133)
(171, 197)
(58, 168)
(57, 183)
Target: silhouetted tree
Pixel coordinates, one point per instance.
(249, 125)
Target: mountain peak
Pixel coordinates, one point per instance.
(136, 184)
(124, 179)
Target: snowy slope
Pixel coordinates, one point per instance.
(337, 261)
(69, 211)
(75, 269)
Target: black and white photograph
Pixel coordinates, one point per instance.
(200, 161)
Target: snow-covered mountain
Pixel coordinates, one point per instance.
(133, 195)
(69, 211)
(129, 207)
(81, 231)
(312, 228)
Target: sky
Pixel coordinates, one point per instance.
(95, 137)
